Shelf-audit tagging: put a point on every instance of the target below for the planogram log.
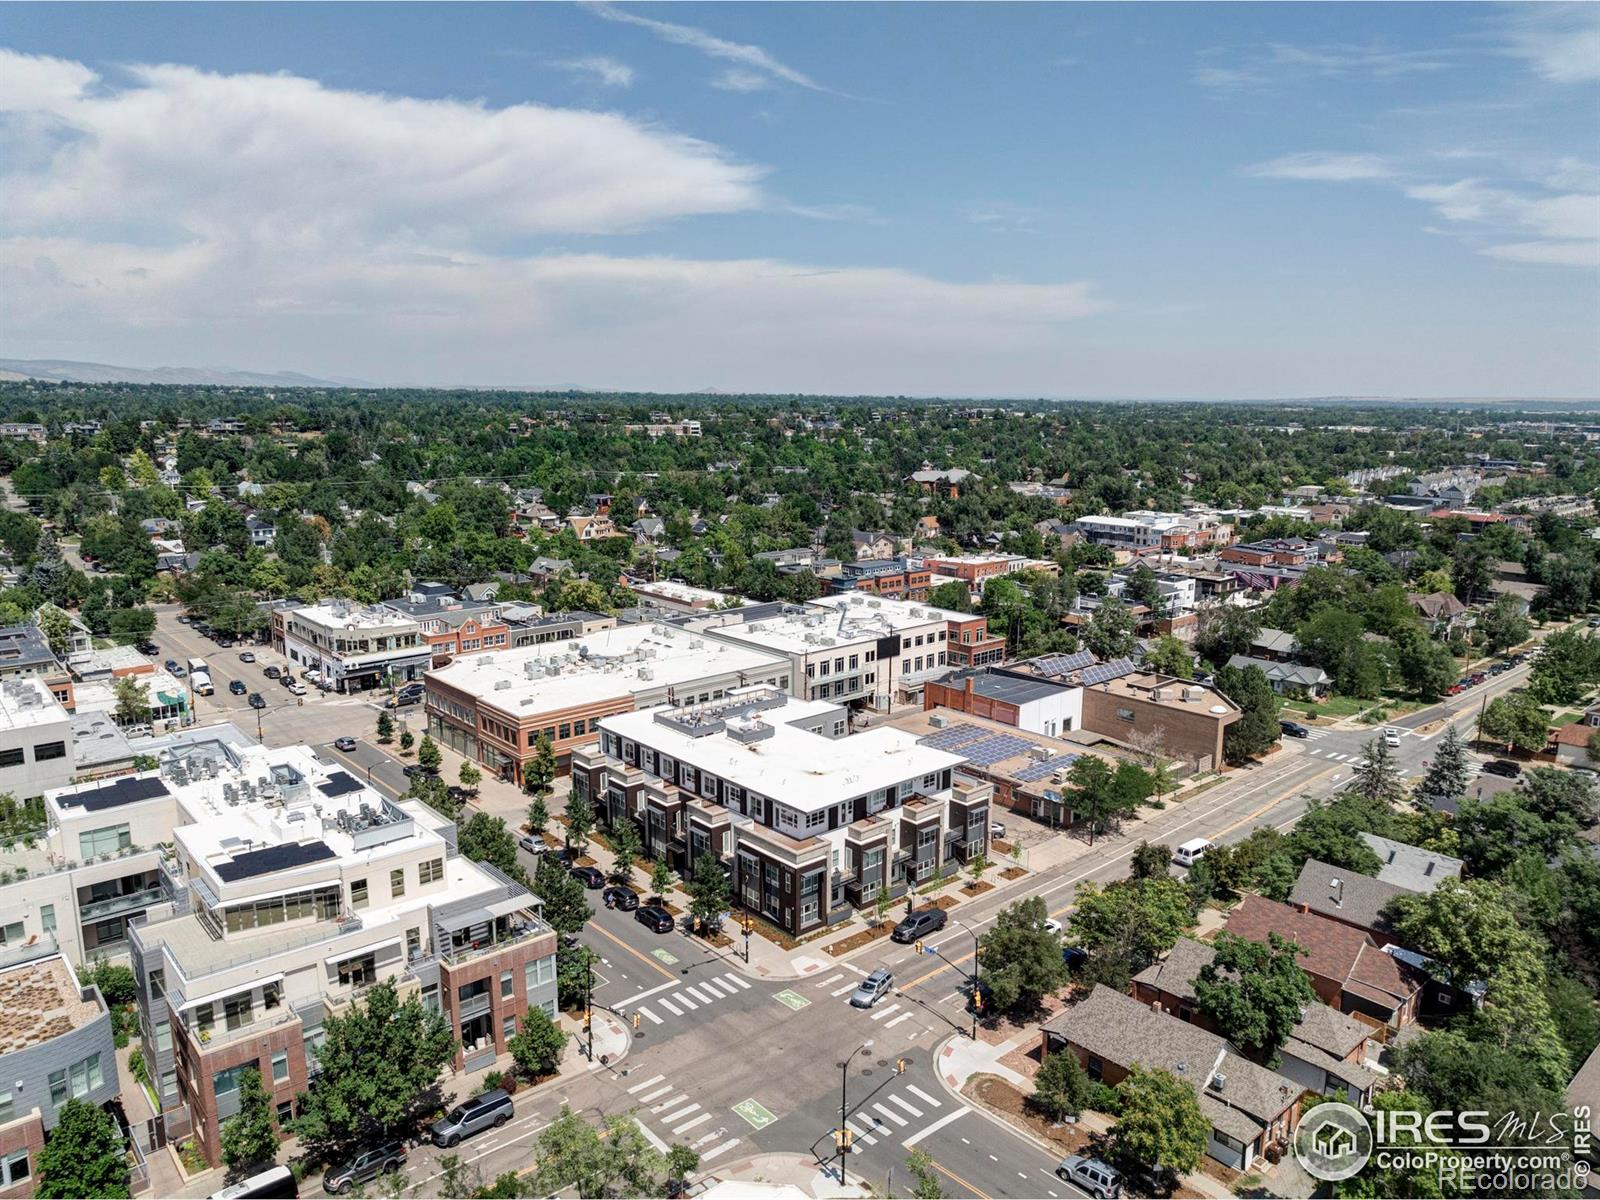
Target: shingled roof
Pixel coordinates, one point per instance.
(1357, 900)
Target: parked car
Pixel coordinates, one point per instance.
(1099, 1179)
(178, 671)
(346, 744)
(872, 989)
(590, 877)
(148, 648)
(171, 665)
(1074, 956)
(417, 771)
(492, 1109)
(296, 688)
(273, 672)
(1293, 729)
(237, 687)
(247, 656)
(997, 829)
(655, 918)
(410, 693)
(380, 1160)
(532, 844)
(1502, 766)
(185, 619)
(1391, 738)
(257, 700)
(920, 924)
(623, 898)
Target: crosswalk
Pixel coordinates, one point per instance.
(907, 1116)
(887, 1014)
(661, 1105)
(689, 997)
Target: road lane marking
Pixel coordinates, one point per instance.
(701, 996)
(688, 1125)
(910, 1108)
(660, 987)
(792, 999)
(658, 1093)
(884, 1012)
(830, 979)
(722, 1149)
(644, 958)
(685, 1001)
(650, 1136)
(905, 1016)
(861, 1133)
(680, 1114)
(754, 1112)
(892, 1115)
(849, 987)
(717, 993)
(922, 1095)
(670, 1007)
(639, 1087)
(742, 984)
(653, 1018)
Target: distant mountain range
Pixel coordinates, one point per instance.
(53, 370)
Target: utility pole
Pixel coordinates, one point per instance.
(843, 1137)
(588, 998)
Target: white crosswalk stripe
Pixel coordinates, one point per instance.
(849, 987)
(892, 1115)
(717, 993)
(861, 1133)
(907, 1105)
(688, 1125)
(670, 1006)
(922, 1095)
(830, 979)
(916, 1137)
(722, 1149)
(741, 984)
(884, 1012)
(905, 1016)
(684, 1000)
(658, 1093)
(639, 1087)
(710, 1137)
(680, 1114)
(653, 1018)
(677, 1100)
(701, 996)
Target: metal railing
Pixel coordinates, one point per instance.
(456, 955)
(220, 1035)
(110, 905)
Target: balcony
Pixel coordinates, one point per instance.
(96, 910)
(220, 1035)
(514, 935)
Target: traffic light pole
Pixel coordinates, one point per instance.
(588, 998)
(923, 948)
(844, 1109)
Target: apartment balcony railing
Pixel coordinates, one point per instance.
(219, 1034)
(109, 906)
(455, 956)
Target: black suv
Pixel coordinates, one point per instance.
(378, 1161)
(919, 924)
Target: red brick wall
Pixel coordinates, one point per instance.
(490, 967)
(257, 1049)
(23, 1134)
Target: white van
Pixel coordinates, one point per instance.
(200, 681)
(1191, 852)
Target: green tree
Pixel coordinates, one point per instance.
(1109, 633)
(708, 891)
(539, 772)
(1330, 832)
(538, 814)
(1091, 793)
(377, 1061)
(1169, 656)
(249, 1137)
(485, 838)
(1159, 1121)
(954, 596)
(385, 727)
(924, 1176)
(538, 1044)
(1517, 720)
(660, 877)
(1149, 860)
(428, 754)
(1225, 630)
(469, 775)
(1021, 959)
(1062, 1087)
(580, 820)
(566, 908)
(1446, 777)
(1504, 624)
(83, 1156)
(614, 1160)
(1377, 776)
(682, 1161)
(1426, 668)
(625, 848)
(1255, 993)
(407, 740)
(1390, 1175)
(1256, 730)
(1131, 921)
(1568, 663)
(56, 626)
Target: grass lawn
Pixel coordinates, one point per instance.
(1333, 706)
(1569, 719)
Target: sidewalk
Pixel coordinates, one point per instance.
(779, 1177)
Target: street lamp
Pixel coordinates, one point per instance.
(844, 1108)
(976, 1002)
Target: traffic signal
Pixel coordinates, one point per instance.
(842, 1138)
(636, 1022)
(901, 1065)
(587, 1017)
(919, 948)
(977, 1000)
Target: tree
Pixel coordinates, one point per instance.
(249, 1137)
(83, 1156)
(469, 775)
(615, 1160)
(133, 701)
(538, 814)
(954, 596)
(428, 754)
(1376, 776)
(924, 1175)
(580, 820)
(538, 1044)
(1062, 1087)
(1149, 860)
(1133, 921)
(1109, 632)
(566, 908)
(407, 740)
(1021, 959)
(660, 877)
(1426, 667)
(976, 866)
(1255, 993)
(56, 626)
(377, 1061)
(1159, 1121)
(1330, 832)
(1169, 656)
(1256, 730)
(1567, 664)
(1516, 720)
(1504, 624)
(682, 1161)
(1091, 793)
(625, 848)
(1225, 630)
(485, 838)
(539, 772)
(1555, 795)
(1446, 777)
(708, 891)
(385, 727)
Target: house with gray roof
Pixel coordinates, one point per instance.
(1348, 897)
(1250, 1107)
(1411, 867)
(1287, 679)
(1277, 645)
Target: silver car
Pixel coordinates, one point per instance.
(1093, 1176)
(493, 1108)
(872, 989)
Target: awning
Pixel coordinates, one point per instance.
(345, 955)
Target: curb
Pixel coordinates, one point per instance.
(982, 1109)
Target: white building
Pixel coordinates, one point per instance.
(35, 739)
(676, 596)
(349, 647)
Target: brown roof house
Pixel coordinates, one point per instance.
(1250, 1108)
(1348, 969)
(1325, 1054)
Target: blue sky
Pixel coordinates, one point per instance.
(1065, 200)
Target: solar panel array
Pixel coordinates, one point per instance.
(1063, 664)
(1105, 672)
(1043, 770)
(976, 745)
(953, 737)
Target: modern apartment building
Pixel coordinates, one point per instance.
(349, 647)
(35, 739)
(294, 887)
(1142, 530)
(493, 708)
(56, 1045)
(809, 821)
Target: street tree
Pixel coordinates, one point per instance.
(385, 727)
(538, 1044)
(925, 1183)
(1158, 1122)
(1517, 720)
(625, 848)
(580, 820)
(708, 892)
(1021, 959)
(539, 772)
(1062, 1088)
(1149, 860)
(660, 877)
(1504, 624)
(1446, 777)
(566, 908)
(469, 776)
(1256, 730)
(1377, 776)
(486, 838)
(428, 754)
(1131, 922)
(1255, 993)
(613, 1160)
(1330, 832)
(538, 814)
(1091, 791)
(407, 740)
(249, 1137)
(83, 1156)
(377, 1062)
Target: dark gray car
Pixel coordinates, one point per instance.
(380, 1160)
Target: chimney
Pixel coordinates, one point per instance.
(969, 691)
(1338, 892)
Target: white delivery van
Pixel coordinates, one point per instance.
(1191, 852)
(200, 681)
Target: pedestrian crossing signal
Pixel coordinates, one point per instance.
(636, 1022)
(587, 1017)
(977, 1000)
(919, 948)
(843, 1138)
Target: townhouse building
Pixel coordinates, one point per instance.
(493, 708)
(453, 625)
(350, 647)
(810, 821)
(35, 738)
(292, 888)
(893, 578)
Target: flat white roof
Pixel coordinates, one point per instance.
(895, 614)
(342, 614)
(673, 589)
(25, 703)
(802, 770)
(599, 666)
(850, 619)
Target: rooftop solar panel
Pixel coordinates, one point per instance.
(1034, 772)
(339, 783)
(1105, 672)
(1063, 664)
(272, 859)
(116, 793)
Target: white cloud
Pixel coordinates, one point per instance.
(737, 79)
(1280, 64)
(1561, 42)
(1335, 168)
(749, 60)
(1004, 217)
(183, 152)
(601, 69)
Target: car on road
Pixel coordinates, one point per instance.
(1503, 767)
(417, 771)
(655, 918)
(257, 700)
(492, 1109)
(179, 671)
(295, 687)
(872, 989)
(997, 829)
(532, 844)
(247, 656)
(1391, 738)
(237, 687)
(1074, 957)
(591, 877)
(273, 672)
(185, 619)
(346, 744)
(1191, 852)
(380, 1160)
(919, 924)
(1052, 925)
(171, 665)
(1099, 1179)
(148, 648)
(623, 898)
(1293, 729)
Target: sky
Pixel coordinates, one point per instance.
(1061, 200)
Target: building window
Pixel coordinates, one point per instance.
(280, 1066)
(14, 1168)
(397, 882)
(508, 1027)
(507, 986)
(285, 1111)
(1095, 1068)
(11, 758)
(227, 1079)
(47, 920)
(358, 893)
(540, 971)
(431, 871)
(103, 841)
(46, 751)
(77, 1081)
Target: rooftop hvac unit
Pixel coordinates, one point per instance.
(1041, 753)
(1158, 695)
(646, 673)
(938, 722)
(1219, 1081)
(502, 685)
(1194, 693)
